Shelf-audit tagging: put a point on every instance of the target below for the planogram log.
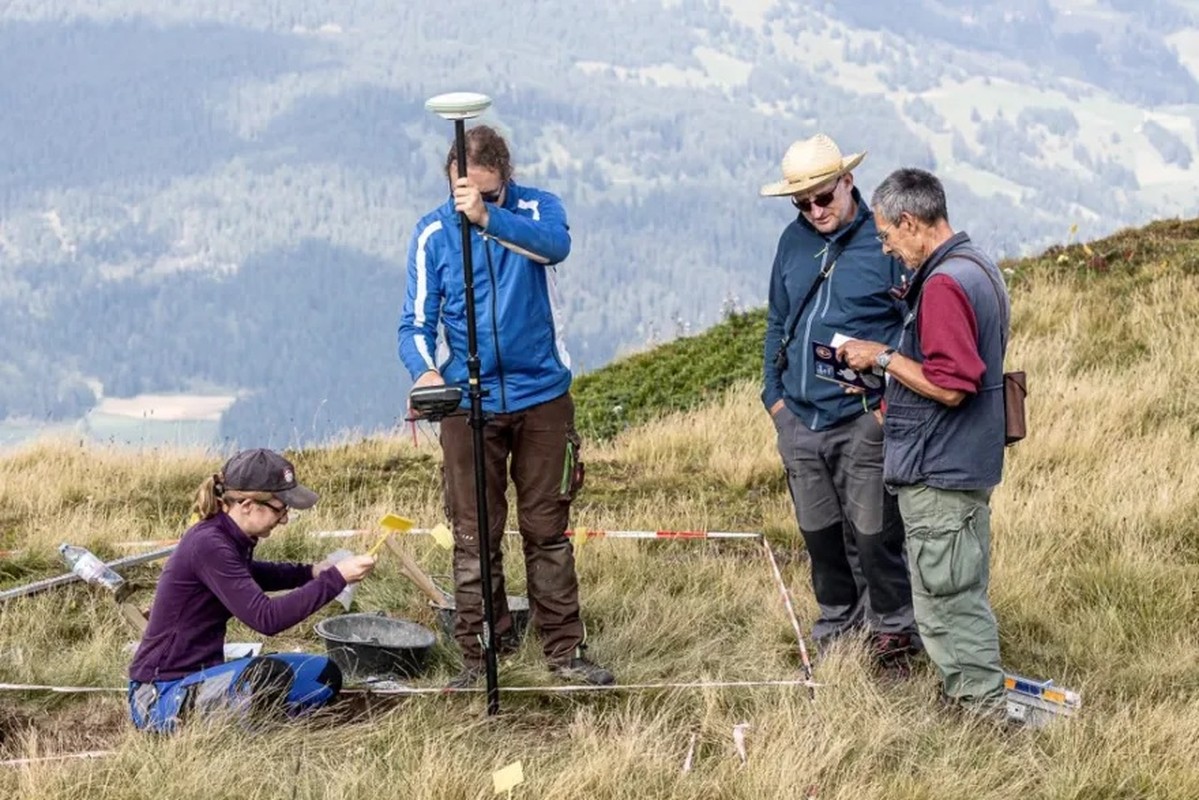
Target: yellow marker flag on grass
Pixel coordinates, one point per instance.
(581, 535)
(441, 534)
(508, 778)
(396, 523)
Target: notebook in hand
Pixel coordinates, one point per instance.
(828, 368)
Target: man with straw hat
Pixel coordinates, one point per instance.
(830, 281)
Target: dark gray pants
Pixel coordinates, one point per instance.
(850, 524)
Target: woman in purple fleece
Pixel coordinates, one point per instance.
(179, 670)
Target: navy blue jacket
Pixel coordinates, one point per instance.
(522, 357)
(855, 300)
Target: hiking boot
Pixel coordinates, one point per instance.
(579, 669)
(888, 647)
(507, 644)
(893, 655)
(828, 642)
(467, 677)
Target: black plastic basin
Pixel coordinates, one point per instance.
(375, 646)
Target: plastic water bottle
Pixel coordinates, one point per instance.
(89, 567)
(346, 597)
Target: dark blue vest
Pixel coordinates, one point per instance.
(927, 442)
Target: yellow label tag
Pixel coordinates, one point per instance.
(508, 778)
(441, 534)
(580, 538)
(396, 523)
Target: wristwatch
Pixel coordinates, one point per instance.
(884, 358)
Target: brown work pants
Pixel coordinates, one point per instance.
(539, 446)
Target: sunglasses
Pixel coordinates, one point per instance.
(823, 200)
(492, 197)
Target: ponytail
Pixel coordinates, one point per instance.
(208, 502)
(213, 497)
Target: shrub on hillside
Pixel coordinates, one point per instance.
(677, 376)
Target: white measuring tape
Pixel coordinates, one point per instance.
(428, 690)
(22, 762)
(568, 689)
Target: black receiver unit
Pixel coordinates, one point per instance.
(435, 402)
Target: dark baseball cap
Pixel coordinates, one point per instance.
(263, 470)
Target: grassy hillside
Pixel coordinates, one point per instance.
(677, 376)
(1096, 560)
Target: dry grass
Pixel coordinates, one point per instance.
(1095, 569)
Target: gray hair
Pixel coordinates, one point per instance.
(913, 191)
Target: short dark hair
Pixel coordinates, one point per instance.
(484, 148)
(912, 191)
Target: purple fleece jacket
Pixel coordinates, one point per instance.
(209, 578)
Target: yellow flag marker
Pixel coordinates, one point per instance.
(396, 523)
(580, 538)
(508, 778)
(374, 551)
(441, 534)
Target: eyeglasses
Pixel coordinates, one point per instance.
(883, 236)
(279, 510)
(824, 200)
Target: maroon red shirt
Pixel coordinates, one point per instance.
(949, 336)
(210, 578)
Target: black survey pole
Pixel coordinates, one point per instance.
(476, 426)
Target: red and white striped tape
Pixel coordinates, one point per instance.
(350, 533)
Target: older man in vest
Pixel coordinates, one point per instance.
(944, 429)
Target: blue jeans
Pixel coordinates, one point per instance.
(290, 683)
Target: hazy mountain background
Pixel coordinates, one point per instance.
(215, 197)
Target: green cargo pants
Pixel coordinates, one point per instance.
(949, 555)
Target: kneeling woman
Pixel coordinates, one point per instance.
(179, 669)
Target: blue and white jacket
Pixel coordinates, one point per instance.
(522, 358)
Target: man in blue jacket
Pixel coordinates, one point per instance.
(518, 235)
(830, 281)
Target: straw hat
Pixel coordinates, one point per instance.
(809, 163)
